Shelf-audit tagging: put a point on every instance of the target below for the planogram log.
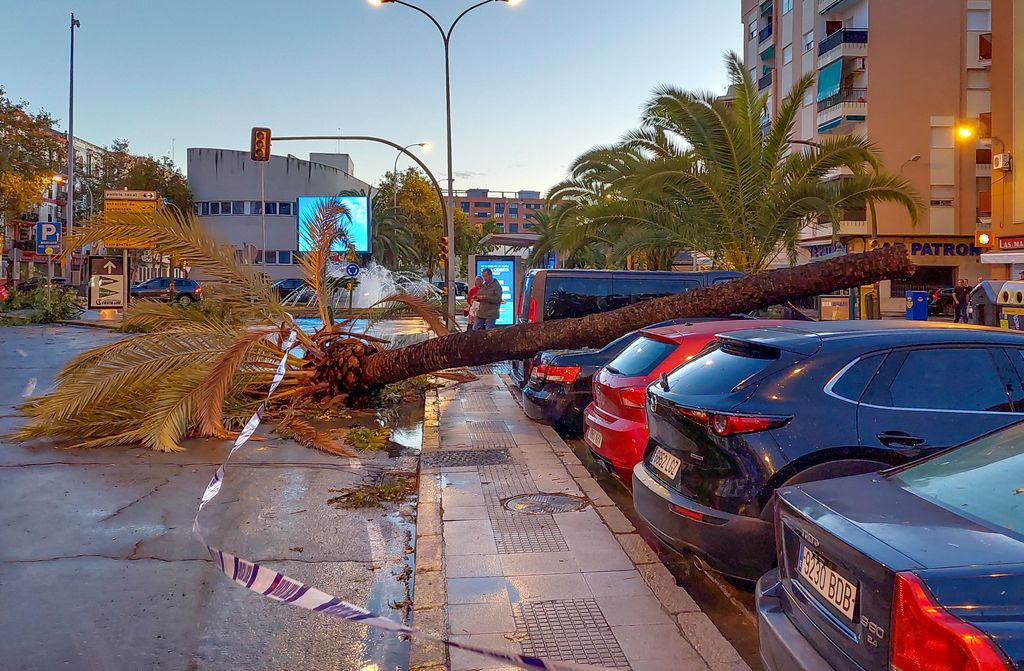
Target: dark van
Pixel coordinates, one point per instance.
(557, 294)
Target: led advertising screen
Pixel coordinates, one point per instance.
(504, 271)
(356, 225)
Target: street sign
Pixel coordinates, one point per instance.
(352, 270)
(48, 238)
(130, 203)
(108, 282)
(115, 194)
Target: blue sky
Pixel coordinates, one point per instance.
(533, 85)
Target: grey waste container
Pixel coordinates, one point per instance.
(917, 306)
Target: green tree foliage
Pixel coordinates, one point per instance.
(30, 154)
(121, 169)
(700, 174)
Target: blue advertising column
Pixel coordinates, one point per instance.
(504, 270)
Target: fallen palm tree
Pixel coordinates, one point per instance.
(201, 371)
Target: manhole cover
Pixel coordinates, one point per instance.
(466, 458)
(545, 504)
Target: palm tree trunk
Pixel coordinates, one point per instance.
(476, 348)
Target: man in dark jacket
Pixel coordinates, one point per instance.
(489, 298)
(961, 296)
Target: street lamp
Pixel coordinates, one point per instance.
(425, 146)
(69, 210)
(446, 37)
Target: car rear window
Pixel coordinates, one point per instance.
(983, 480)
(641, 356)
(576, 296)
(719, 369)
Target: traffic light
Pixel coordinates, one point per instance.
(442, 249)
(259, 147)
(983, 239)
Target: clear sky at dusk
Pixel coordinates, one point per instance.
(533, 85)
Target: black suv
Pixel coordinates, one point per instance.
(763, 408)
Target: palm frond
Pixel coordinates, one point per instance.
(216, 386)
(420, 306)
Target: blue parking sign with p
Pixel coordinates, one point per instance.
(48, 237)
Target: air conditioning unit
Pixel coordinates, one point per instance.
(1001, 162)
(857, 64)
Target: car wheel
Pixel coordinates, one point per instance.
(185, 299)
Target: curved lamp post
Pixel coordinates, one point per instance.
(425, 146)
(446, 37)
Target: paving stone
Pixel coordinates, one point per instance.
(637, 609)
(655, 642)
(457, 497)
(468, 661)
(480, 618)
(578, 471)
(472, 566)
(637, 549)
(454, 513)
(548, 586)
(534, 563)
(469, 537)
(428, 553)
(617, 583)
(673, 597)
(615, 520)
(704, 636)
(429, 589)
(593, 491)
(476, 590)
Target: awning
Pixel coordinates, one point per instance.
(1003, 257)
(829, 125)
(829, 79)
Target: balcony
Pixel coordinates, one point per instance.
(840, 112)
(765, 80)
(766, 7)
(764, 33)
(844, 43)
(826, 6)
(854, 222)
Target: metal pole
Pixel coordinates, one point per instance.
(69, 204)
(263, 217)
(449, 280)
(127, 278)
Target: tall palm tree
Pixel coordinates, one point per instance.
(700, 174)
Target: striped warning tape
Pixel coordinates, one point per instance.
(279, 587)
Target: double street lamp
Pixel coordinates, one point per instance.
(446, 37)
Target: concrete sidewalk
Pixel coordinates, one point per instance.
(517, 574)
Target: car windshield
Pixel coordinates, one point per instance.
(983, 480)
(641, 356)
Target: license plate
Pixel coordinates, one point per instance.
(594, 437)
(827, 582)
(665, 462)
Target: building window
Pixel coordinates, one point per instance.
(464, 205)
(214, 208)
(752, 30)
(204, 209)
(808, 96)
(787, 54)
(513, 228)
(284, 209)
(481, 214)
(808, 41)
(979, 19)
(481, 204)
(238, 207)
(787, 6)
(284, 258)
(499, 208)
(195, 209)
(225, 207)
(271, 208)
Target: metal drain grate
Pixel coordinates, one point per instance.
(571, 630)
(521, 533)
(454, 458)
(545, 504)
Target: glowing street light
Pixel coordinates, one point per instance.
(425, 146)
(965, 132)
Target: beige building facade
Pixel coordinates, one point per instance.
(909, 75)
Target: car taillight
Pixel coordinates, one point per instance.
(724, 424)
(199, 290)
(633, 397)
(926, 637)
(563, 374)
(531, 313)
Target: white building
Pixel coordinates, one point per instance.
(225, 186)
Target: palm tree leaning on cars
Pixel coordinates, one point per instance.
(700, 174)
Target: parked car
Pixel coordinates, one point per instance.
(35, 282)
(940, 302)
(461, 288)
(183, 291)
(915, 568)
(614, 425)
(286, 286)
(766, 408)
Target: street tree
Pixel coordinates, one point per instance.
(201, 372)
(31, 152)
(121, 169)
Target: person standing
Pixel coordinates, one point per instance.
(961, 295)
(472, 302)
(489, 298)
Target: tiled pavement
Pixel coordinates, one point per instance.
(577, 586)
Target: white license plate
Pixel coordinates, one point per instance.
(665, 462)
(834, 588)
(594, 437)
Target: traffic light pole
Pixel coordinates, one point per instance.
(263, 217)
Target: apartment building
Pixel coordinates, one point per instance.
(511, 210)
(914, 77)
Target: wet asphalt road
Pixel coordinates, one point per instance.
(99, 568)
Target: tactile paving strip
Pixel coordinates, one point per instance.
(452, 458)
(569, 630)
(478, 402)
(527, 533)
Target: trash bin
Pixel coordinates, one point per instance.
(917, 306)
(999, 303)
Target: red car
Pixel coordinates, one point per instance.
(614, 425)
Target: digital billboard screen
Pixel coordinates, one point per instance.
(504, 270)
(356, 225)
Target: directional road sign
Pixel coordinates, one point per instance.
(352, 270)
(48, 237)
(108, 282)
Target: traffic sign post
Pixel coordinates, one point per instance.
(108, 282)
(137, 202)
(352, 270)
(48, 238)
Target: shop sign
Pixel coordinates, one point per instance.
(939, 248)
(1011, 243)
(827, 251)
